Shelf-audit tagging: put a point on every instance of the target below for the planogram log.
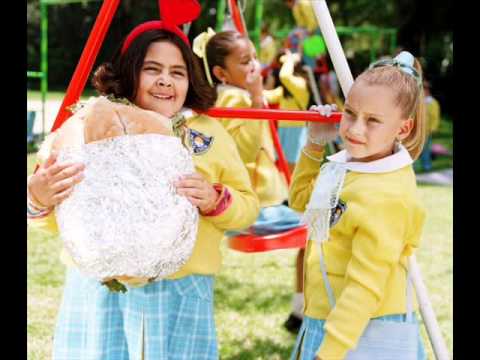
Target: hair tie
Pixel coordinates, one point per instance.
(200, 49)
(404, 62)
(174, 13)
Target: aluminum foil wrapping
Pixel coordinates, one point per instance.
(125, 218)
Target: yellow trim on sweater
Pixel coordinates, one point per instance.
(220, 164)
(366, 253)
(255, 145)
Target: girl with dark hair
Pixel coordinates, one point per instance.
(230, 64)
(170, 318)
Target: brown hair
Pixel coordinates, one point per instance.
(120, 77)
(219, 47)
(409, 98)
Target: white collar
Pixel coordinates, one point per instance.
(398, 160)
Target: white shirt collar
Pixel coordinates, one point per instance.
(397, 160)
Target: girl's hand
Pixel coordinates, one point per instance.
(254, 84)
(319, 134)
(198, 191)
(54, 182)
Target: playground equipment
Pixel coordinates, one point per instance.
(252, 243)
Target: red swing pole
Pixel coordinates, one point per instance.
(237, 17)
(87, 59)
(272, 114)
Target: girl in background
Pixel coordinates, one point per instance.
(232, 68)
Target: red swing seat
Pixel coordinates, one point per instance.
(250, 243)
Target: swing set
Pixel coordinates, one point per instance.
(253, 243)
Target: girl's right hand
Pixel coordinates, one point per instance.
(254, 82)
(319, 134)
(54, 182)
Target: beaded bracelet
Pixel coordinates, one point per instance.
(34, 210)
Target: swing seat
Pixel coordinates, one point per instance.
(251, 243)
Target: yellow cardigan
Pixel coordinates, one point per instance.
(220, 164)
(255, 145)
(304, 15)
(366, 253)
(297, 86)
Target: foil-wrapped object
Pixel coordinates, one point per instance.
(125, 218)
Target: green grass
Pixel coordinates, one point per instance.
(252, 291)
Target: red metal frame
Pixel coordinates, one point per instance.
(87, 59)
(237, 17)
(273, 114)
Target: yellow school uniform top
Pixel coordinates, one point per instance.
(268, 50)
(220, 163)
(433, 114)
(298, 88)
(304, 15)
(255, 145)
(378, 224)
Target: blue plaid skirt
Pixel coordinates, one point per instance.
(312, 333)
(168, 319)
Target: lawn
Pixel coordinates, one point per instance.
(252, 291)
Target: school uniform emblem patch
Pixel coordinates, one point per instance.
(337, 212)
(199, 143)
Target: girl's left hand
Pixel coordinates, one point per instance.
(198, 191)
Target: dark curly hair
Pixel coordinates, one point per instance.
(120, 76)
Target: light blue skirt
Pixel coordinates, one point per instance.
(293, 139)
(169, 319)
(312, 333)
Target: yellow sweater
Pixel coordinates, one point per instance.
(297, 86)
(433, 114)
(366, 253)
(268, 49)
(255, 145)
(220, 164)
(304, 15)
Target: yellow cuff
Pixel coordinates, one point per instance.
(331, 349)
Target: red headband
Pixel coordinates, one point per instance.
(174, 13)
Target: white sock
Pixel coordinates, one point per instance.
(297, 304)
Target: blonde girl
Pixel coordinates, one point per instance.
(363, 214)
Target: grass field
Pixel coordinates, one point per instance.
(253, 291)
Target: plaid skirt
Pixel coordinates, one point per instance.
(311, 335)
(168, 319)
